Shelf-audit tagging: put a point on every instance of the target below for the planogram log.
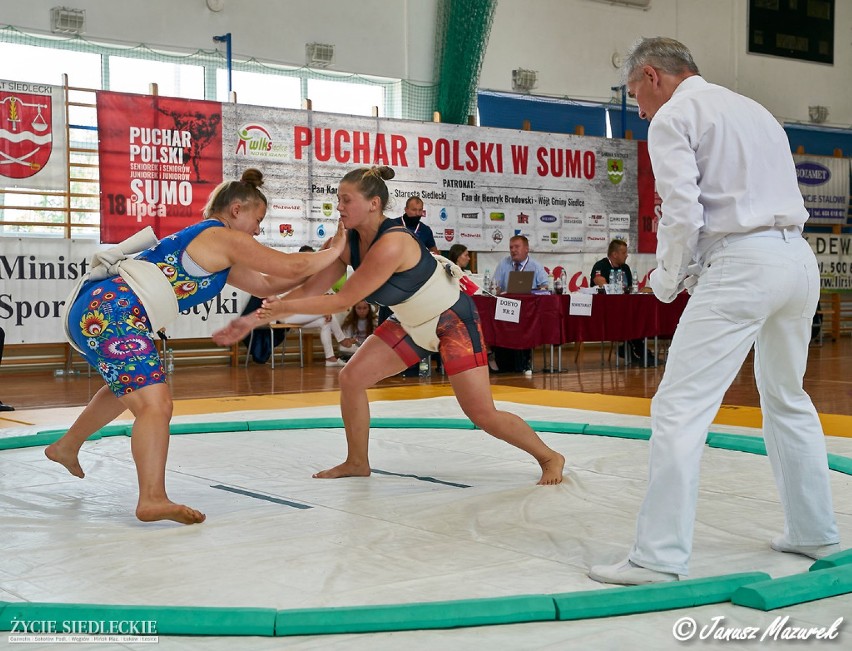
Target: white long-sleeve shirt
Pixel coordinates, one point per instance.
(722, 165)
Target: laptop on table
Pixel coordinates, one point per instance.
(520, 282)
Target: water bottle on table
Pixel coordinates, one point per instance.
(486, 283)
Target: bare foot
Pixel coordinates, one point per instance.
(345, 469)
(168, 510)
(54, 452)
(551, 470)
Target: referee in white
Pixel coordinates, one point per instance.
(730, 231)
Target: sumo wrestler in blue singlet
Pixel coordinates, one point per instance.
(118, 309)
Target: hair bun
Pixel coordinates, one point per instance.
(385, 172)
(252, 177)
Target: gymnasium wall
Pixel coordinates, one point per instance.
(570, 43)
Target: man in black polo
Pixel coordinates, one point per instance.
(616, 260)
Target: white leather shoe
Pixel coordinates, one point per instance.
(628, 573)
(816, 552)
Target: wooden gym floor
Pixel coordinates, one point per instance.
(589, 385)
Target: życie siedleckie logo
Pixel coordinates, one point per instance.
(26, 138)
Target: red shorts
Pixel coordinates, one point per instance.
(462, 345)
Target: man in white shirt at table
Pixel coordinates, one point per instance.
(519, 260)
(730, 231)
(509, 359)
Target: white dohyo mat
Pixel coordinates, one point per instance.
(447, 514)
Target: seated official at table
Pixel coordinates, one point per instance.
(616, 260)
(459, 254)
(519, 260)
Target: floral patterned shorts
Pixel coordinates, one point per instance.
(108, 322)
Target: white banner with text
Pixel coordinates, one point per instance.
(479, 185)
(38, 273)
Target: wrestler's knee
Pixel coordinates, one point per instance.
(351, 377)
(153, 400)
(483, 416)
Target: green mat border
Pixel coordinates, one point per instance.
(750, 589)
(268, 622)
(733, 442)
(754, 590)
(795, 589)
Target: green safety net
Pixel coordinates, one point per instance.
(463, 27)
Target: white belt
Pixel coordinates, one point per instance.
(786, 233)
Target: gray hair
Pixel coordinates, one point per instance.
(665, 54)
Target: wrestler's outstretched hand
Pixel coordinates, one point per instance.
(270, 309)
(338, 242)
(236, 330)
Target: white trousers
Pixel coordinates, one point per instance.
(756, 291)
(327, 329)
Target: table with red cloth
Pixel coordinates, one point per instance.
(545, 320)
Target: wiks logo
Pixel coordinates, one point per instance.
(255, 140)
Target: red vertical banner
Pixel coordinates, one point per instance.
(160, 157)
(649, 201)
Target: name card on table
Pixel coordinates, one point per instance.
(508, 310)
(581, 305)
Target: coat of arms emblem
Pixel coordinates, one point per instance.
(26, 137)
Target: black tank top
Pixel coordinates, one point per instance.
(402, 285)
